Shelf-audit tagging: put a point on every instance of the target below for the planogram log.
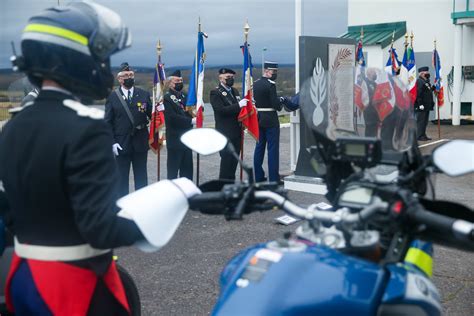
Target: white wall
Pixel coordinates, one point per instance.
(429, 19)
(374, 56)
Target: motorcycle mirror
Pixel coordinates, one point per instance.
(204, 141)
(455, 158)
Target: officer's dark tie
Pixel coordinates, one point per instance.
(129, 96)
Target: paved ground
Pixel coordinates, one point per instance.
(182, 279)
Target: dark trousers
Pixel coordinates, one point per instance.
(270, 136)
(138, 162)
(228, 162)
(371, 119)
(421, 123)
(179, 163)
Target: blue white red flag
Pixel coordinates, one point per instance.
(248, 114)
(361, 95)
(196, 82)
(438, 83)
(157, 115)
(408, 71)
(393, 64)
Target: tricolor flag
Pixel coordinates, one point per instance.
(248, 114)
(408, 71)
(437, 81)
(196, 82)
(361, 95)
(393, 64)
(157, 115)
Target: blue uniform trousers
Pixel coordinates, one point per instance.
(272, 137)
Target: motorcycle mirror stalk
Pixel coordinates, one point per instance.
(207, 141)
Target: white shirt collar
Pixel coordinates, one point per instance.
(57, 89)
(125, 91)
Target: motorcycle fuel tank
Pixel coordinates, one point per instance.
(310, 280)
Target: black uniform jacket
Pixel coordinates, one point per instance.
(424, 95)
(131, 138)
(264, 91)
(226, 111)
(177, 120)
(60, 176)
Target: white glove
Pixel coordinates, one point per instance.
(243, 102)
(421, 107)
(193, 121)
(115, 148)
(187, 186)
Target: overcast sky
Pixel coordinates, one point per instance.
(174, 22)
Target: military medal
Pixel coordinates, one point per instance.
(224, 93)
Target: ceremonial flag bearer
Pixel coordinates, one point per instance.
(127, 110)
(178, 121)
(268, 104)
(226, 102)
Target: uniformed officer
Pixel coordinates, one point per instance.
(267, 103)
(127, 110)
(424, 102)
(178, 121)
(226, 103)
(58, 170)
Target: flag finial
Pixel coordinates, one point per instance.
(159, 47)
(362, 34)
(246, 30)
(411, 38)
(406, 39)
(435, 43)
(393, 38)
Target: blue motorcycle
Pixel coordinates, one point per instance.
(372, 253)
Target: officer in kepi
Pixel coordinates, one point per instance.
(128, 110)
(226, 103)
(62, 193)
(268, 104)
(424, 102)
(178, 121)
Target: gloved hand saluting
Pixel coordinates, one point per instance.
(243, 102)
(115, 148)
(422, 107)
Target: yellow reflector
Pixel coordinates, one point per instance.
(58, 31)
(420, 259)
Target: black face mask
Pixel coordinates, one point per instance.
(229, 82)
(129, 82)
(273, 77)
(427, 76)
(178, 86)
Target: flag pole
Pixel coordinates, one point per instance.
(246, 36)
(195, 92)
(158, 148)
(437, 103)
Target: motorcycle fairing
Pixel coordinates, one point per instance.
(317, 280)
(410, 291)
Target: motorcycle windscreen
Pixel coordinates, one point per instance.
(345, 101)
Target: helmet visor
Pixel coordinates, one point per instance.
(111, 35)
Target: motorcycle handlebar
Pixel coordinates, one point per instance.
(205, 199)
(460, 229)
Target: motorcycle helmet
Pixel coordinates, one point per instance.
(72, 45)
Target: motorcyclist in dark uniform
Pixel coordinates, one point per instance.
(59, 172)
